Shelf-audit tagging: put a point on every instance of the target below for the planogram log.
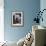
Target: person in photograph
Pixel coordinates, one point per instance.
(17, 18)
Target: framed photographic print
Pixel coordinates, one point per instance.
(17, 18)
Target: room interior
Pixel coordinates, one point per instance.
(16, 35)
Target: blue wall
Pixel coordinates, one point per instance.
(29, 7)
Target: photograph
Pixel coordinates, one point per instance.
(17, 18)
(23, 23)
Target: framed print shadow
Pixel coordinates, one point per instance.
(17, 19)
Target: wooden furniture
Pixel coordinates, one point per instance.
(39, 35)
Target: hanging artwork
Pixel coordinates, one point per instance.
(17, 18)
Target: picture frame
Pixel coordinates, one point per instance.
(17, 18)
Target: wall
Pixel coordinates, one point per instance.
(1, 20)
(29, 7)
(43, 6)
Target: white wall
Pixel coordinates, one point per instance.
(43, 6)
(1, 20)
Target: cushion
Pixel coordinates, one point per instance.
(21, 42)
